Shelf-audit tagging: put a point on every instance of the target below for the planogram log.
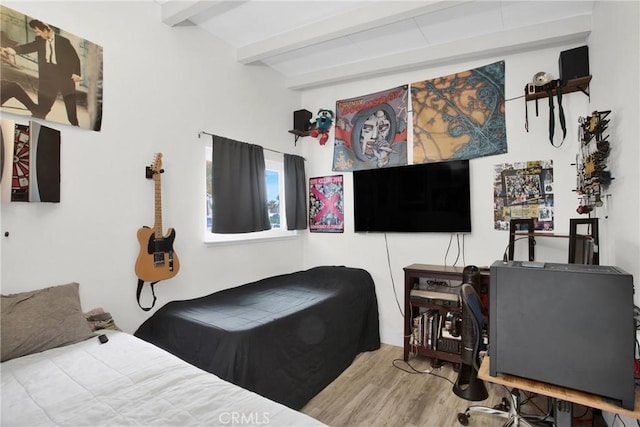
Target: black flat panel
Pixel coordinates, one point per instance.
(564, 324)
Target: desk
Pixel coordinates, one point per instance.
(557, 392)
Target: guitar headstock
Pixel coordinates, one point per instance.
(156, 166)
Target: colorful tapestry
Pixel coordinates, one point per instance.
(521, 191)
(371, 131)
(326, 204)
(460, 116)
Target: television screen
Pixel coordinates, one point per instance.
(431, 197)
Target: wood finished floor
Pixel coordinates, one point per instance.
(373, 392)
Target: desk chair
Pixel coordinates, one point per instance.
(468, 386)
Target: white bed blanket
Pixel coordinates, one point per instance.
(127, 381)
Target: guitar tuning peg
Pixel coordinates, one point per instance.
(161, 170)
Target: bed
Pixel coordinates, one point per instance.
(284, 337)
(123, 381)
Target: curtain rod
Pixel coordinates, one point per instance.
(268, 149)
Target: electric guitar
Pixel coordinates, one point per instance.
(157, 259)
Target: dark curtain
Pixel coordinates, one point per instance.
(295, 192)
(239, 187)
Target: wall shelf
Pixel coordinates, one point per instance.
(412, 275)
(580, 84)
(298, 134)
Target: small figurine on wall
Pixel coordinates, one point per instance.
(324, 120)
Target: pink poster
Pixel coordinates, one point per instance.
(326, 204)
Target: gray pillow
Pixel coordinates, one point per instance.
(39, 320)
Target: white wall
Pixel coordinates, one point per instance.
(161, 86)
(619, 239)
(615, 44)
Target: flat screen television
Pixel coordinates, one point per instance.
(430, 197)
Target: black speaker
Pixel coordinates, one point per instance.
(574, 63)
(302, 120)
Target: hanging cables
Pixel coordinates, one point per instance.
(505, 256)
(459, 252)
(393, 283)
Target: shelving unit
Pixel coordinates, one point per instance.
(580, 84)
(413, 273)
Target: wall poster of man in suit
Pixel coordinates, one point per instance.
(48, 73)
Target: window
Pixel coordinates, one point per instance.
(274, 177)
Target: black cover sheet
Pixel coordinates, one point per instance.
(284, 337)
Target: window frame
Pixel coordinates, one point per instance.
(273, 162)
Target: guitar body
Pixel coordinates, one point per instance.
(157, 260)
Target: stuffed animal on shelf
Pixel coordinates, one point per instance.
(324, 120)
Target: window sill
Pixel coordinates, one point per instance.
(239, 239)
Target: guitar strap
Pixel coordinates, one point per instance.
(563, 123)
(552, 122)
(526, 110)
(139, 291)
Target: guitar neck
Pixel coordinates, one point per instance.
(157, 227)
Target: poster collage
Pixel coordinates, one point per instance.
(523, 190)
(455, 117)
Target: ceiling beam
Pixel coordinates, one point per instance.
(176, 12)
(575, 29)
(375, 15)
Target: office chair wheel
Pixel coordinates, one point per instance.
(503, 406)
(500, 407)
(463, 418)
